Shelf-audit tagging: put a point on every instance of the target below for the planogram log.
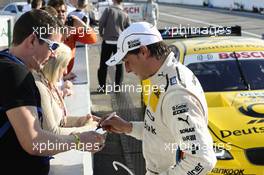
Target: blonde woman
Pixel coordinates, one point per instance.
(55, 117)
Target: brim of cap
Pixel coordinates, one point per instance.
(115, 59)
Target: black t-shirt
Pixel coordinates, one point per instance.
(17, 88)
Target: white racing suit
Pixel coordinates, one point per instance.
(174, 133)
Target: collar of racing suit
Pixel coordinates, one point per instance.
(159, 75)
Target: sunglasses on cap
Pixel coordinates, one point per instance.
(52, 44)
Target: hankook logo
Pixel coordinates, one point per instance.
(228, 171)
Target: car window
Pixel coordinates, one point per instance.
(11, 8)
(254, 73)
(226, 75)
(20, 8)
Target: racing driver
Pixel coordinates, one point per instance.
(174, 132)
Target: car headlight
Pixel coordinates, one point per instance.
(222, 154)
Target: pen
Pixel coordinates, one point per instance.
(110, 116)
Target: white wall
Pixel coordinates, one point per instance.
(4, 29)
(248, 4)
(222, 3)
(187, 2)
(193, 2)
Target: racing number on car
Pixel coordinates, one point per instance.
(250, 111)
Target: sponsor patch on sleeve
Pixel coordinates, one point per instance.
(173, 80)
(197, 170)
(180, 108)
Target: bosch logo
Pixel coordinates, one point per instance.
(132, 10)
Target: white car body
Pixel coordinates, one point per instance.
(15, 8)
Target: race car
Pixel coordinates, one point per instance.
(231, 72)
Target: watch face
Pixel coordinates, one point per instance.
(100, 131)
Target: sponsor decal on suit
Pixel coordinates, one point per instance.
(184, 119)
(173, 80)
(187, 130)
(189, 138)
(197, 170)
(180, 108)
(150, 128)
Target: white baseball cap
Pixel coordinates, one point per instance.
(136, 35)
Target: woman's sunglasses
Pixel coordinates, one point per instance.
(52, 44)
